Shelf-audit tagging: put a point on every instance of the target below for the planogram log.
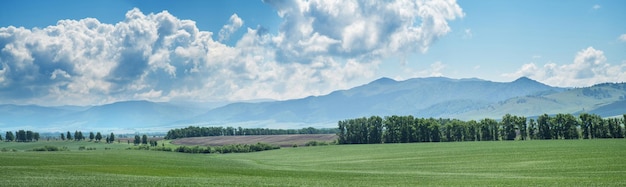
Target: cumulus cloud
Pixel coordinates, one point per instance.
(360, 29)
(589, 67)
(321, 46)
(234, 23)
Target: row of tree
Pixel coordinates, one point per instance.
(404, 129)
(21, 136)
(236, 148)
(192, 131)
(143, 140)
(78, 136)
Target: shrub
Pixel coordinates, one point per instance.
(316, 143)
(161, 149)
(51, 148)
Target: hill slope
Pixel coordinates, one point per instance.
(606, 100)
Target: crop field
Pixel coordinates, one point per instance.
(280, 140)
(505, 163)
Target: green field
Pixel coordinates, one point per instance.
(515, 163)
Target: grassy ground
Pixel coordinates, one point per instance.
(517, 163)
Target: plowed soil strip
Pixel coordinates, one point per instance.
(280, 140)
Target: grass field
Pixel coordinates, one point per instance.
(515, 163)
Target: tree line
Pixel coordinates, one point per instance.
(406, 129)
(78, 136)
(195, 131)
(21, 136)
(235, 148)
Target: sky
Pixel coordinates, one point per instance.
(72, 52)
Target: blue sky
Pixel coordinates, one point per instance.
(97, 52)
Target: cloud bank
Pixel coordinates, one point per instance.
(588, 68)
(321, 46)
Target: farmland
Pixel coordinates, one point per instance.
(520, 163)
(280, 140)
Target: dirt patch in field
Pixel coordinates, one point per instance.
(280, 140)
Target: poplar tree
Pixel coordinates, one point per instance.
(91, 136)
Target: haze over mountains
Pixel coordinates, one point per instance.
(420, 97)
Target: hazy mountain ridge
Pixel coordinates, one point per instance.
(606, 99)
(384, 97)
(421, 97)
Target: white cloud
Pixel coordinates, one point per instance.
(589, 67)
(596, 7)
(361, 29)
(320, 47)
(234, 23)
(58, 72)
(434, 70)
(622, 38)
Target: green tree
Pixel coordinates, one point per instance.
(565, 126)
(21, 136)
(98, 136)
(490, 129)
(620, 130)
(508, 123)
(472, 130)
(9, 136)
(422, 129)
(532, 129)
(29, 136)
(406, 130)
(392, 129)
(342, 132)
(586, 125)
(137, 140)
(520, 123)
(376, 129)
(68, 136)
(62, 136)
(91, 136)
(35, 136)
(144, 139)
(544, 127)
(435, 133)
(112, 137)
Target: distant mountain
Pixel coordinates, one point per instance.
(121, 115)
(607, 99)
(29, 115)
(130, 114)
(422, 97)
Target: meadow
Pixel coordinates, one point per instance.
(502, 163)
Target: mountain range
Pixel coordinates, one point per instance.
(421, 97)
